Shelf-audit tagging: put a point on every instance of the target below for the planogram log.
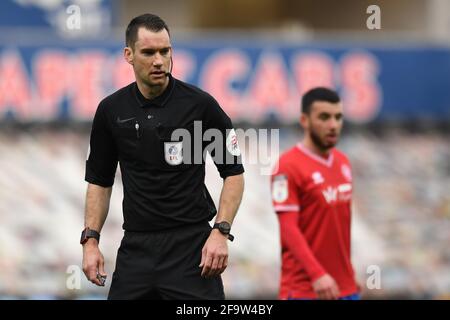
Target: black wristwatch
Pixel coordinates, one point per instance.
(89, 233)
(224, 228)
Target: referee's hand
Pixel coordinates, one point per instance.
(93, 262)
(214, 254)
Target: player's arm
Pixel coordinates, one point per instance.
(96, 211)
(215, 252)
(293, 239)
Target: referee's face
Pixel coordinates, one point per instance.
(150, 57)
(324, 124)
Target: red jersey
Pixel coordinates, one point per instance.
(320, 191)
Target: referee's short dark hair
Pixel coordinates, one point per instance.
(149, 21)
(318, 94)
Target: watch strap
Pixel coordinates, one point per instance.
(89, 233)
(227, 233)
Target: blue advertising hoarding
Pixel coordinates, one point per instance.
(251, 80)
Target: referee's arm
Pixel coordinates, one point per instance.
(96, 211)
(230, 198)
(215, 251)
(101, 166)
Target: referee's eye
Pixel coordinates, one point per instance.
(148, 52)
(165, 51)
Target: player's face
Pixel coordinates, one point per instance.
(150, 57)
(324, 124)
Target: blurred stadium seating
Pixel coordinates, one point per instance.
(401, 222)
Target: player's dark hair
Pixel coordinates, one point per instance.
(148, 21)
(318, 94)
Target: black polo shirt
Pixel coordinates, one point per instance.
(160, 192)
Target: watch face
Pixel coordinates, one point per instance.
(224, 227)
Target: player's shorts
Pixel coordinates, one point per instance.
(355, 296)
(164, 265)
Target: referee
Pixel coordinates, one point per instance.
(169, 250)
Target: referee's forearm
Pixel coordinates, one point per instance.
(97, 206)
(230, 198)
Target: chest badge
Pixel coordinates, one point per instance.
(317, 177)
(173, 152)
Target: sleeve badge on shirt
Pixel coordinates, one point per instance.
(280, 190)
(232, 144)
(173, 152)
(346, 172)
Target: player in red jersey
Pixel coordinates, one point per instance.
(311, 194)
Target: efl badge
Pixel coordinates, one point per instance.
(346, 172)
(232, 144)
(173, 152)
(280, 188)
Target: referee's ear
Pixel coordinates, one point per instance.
(128, 55)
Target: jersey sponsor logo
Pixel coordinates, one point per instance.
(340, 193)
(173, 152)
(346, 187)
(317, 177)
(330, 194)
(232, 144)
(346, 172)
(280, 189)
(345, 192)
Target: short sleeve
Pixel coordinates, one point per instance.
(284, 189)
(101, 163)
(225, 151)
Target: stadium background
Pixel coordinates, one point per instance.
(256, 58)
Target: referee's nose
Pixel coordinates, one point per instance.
(158, 61)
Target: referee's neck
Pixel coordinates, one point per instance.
(151, 92)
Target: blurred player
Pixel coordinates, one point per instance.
(311, 194)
